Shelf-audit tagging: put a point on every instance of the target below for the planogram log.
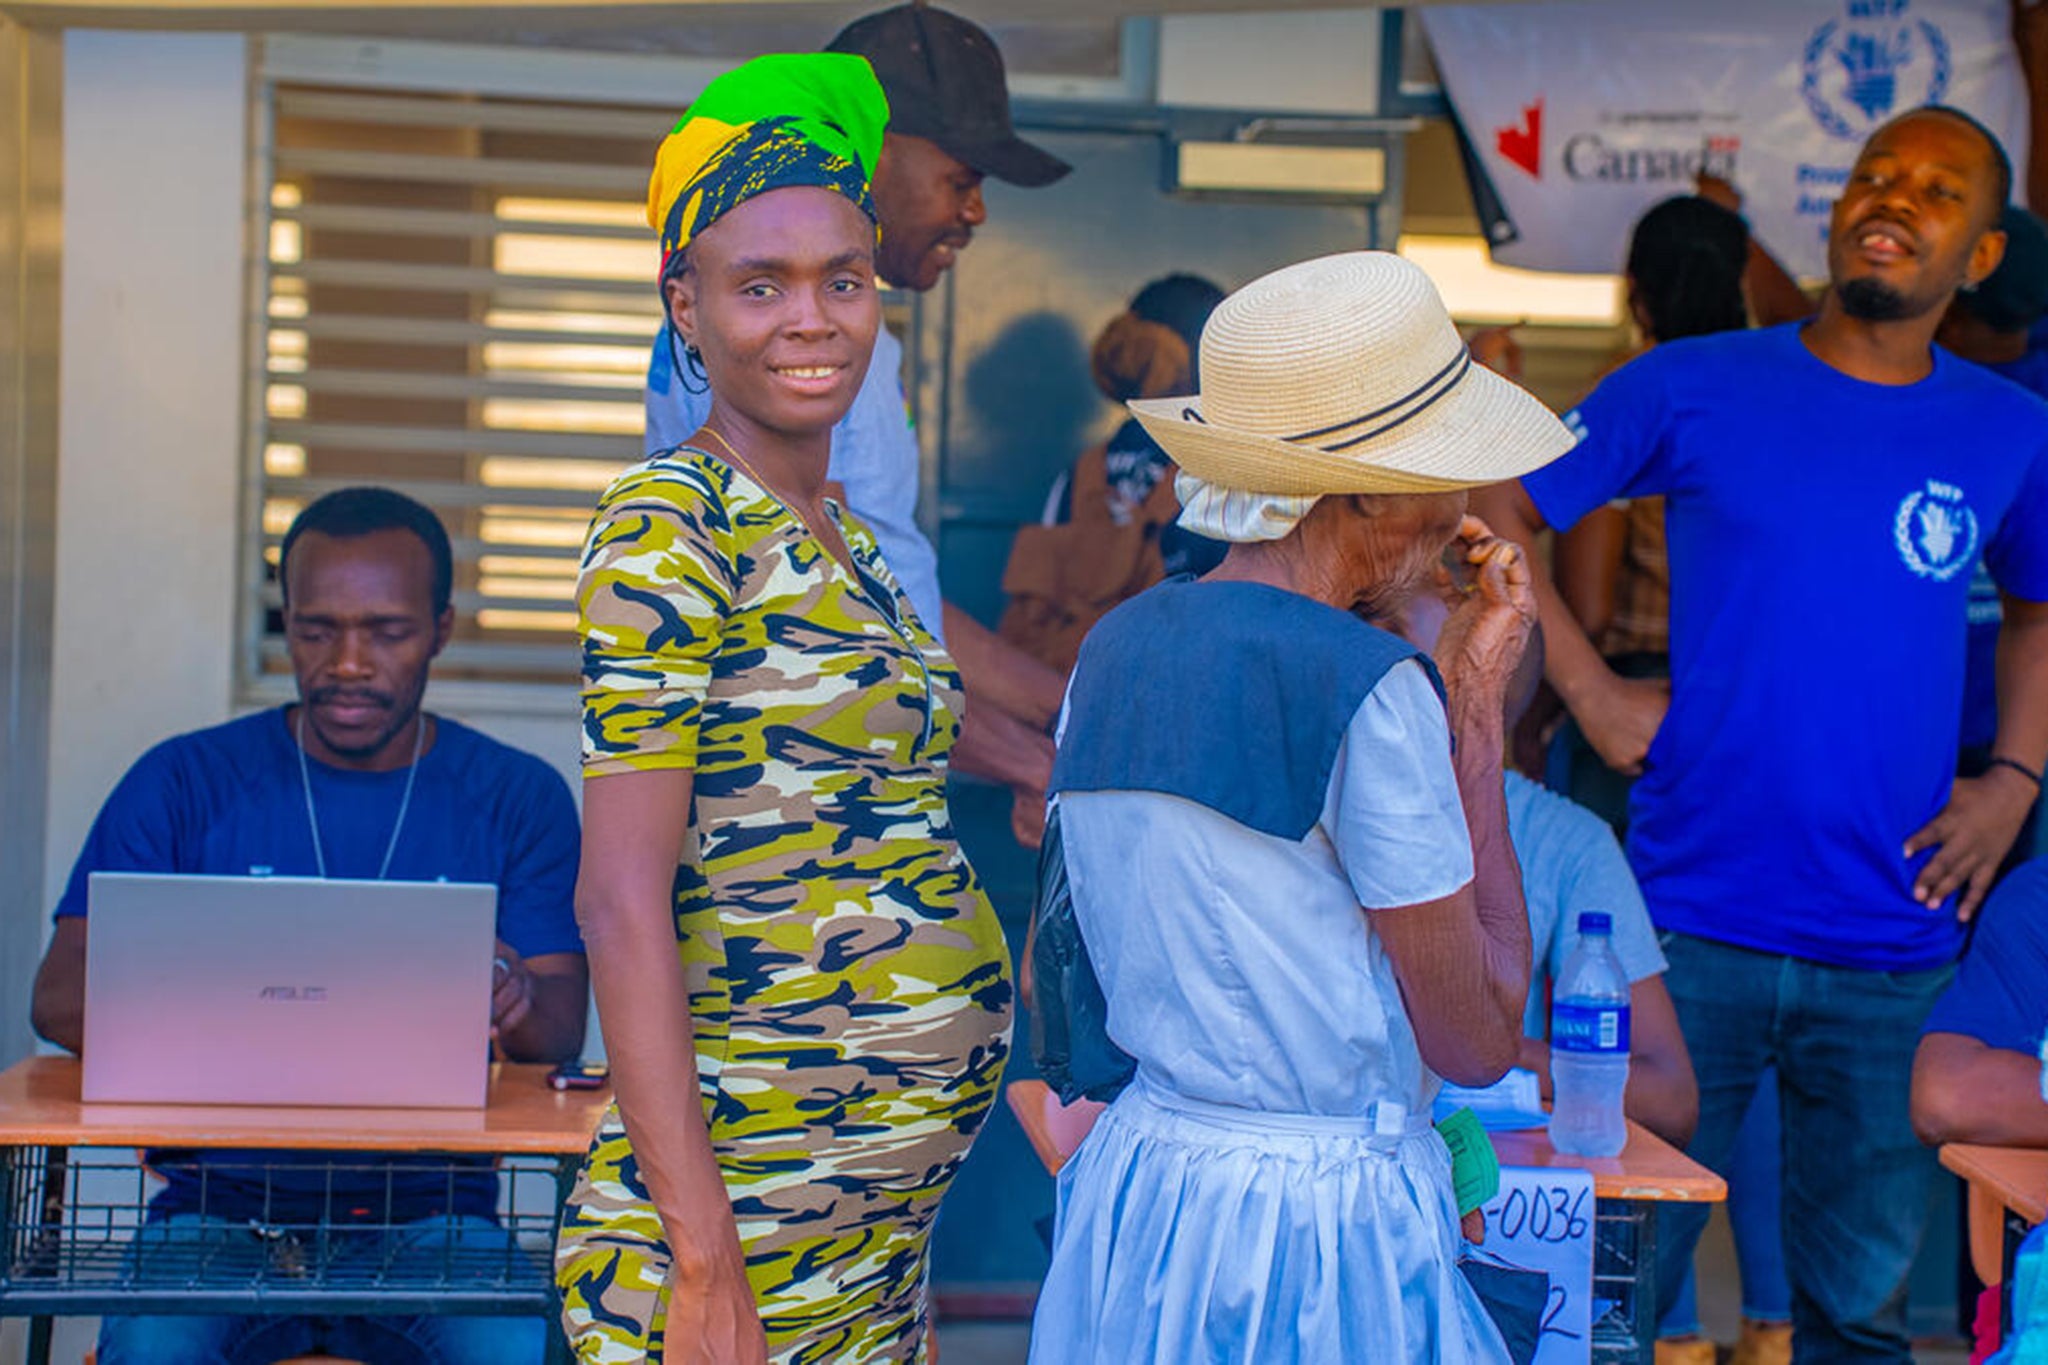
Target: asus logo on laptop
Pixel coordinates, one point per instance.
(302, 994)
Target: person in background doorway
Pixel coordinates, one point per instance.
(949, 128)
(2030, 41)
(353, 780)
(1109, 530)
(1686, 260)
(1769, 290)
(1990, 325)
(805, 994)
(1150, 350)
(1798, 831)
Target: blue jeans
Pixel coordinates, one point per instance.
(1856, 1180)
(233, 1249)
(1754, 1216)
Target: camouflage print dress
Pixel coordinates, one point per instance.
(848, 982)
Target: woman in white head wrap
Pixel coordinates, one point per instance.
(1302, 909)
(1236, 516)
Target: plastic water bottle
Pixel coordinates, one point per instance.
(1589, 1045)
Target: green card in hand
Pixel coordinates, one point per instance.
(1475, 1171)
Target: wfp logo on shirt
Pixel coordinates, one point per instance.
(1936, 531)
(1874, 59)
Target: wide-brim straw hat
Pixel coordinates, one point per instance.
(1345, 374)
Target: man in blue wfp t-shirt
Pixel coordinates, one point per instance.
(352, 781)
(1798, 830)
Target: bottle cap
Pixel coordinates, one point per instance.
(1596, 922)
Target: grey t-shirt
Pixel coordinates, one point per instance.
(1572, 864)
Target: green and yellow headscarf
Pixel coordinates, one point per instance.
(808, 119)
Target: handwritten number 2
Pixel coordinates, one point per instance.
(1558, 1298)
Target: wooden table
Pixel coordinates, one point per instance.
(55, 1260)
(1649, 1169)
(1626, 1191)
(2008, 1194)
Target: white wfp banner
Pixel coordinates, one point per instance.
(1586, 114)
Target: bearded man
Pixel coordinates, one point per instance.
(1798, 832)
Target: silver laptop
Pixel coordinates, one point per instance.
(287, 991)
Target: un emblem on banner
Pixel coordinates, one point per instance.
(1857, 70)
(1936, 532)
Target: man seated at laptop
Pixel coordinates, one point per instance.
(352, 781)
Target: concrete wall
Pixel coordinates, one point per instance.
(150, 462)
(31, 232)
(147, 489)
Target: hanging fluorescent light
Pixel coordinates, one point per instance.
(1280, 169)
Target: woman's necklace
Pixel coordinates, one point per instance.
(419, 739)
(751, 473)
(875, 595)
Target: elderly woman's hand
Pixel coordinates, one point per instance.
(1483, 640)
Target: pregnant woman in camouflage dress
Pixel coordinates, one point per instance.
(805, 994)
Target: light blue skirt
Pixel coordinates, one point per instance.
(1200, 1234)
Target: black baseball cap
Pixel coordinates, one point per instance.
(2014, 297)
(944, 80)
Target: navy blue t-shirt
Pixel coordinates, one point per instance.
(229, 802)
(2000, 994)
(1822, 531)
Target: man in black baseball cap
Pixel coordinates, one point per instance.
(949, 127)
(944, 79)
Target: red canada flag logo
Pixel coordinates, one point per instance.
(1522, 144)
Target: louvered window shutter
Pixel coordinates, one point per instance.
(457, 301)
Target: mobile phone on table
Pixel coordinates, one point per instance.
(580, 1075)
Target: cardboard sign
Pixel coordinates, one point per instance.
(1584, 115)
(1542, 1220)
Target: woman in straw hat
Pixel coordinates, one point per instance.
(805, 994)
(1285, 835)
